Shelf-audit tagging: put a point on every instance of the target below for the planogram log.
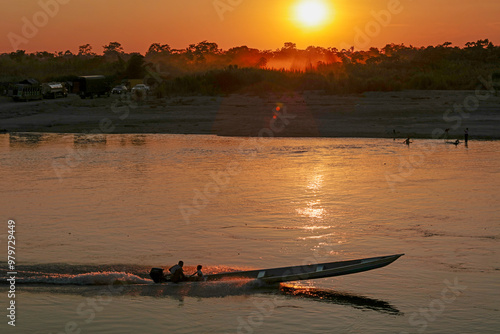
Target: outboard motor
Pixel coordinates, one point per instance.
(157, 275)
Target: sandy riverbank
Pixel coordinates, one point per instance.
(416, 114)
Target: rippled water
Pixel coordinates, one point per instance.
(95, 211)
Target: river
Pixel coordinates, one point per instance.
(94, 213)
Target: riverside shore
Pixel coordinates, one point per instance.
(415, 114)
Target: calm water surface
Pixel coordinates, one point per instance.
(94, 214)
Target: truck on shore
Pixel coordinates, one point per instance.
(26, 90)
(90, 86)
(53, 90)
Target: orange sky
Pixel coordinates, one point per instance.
(67, 24)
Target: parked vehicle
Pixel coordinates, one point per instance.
(141, 87)
(26, 90)
(93, 85)
(53, 90)
(120, 89)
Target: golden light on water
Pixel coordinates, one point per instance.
(312, 210)
(315, 182)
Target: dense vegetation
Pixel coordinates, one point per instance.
(203, 68)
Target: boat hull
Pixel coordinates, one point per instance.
(304, 272)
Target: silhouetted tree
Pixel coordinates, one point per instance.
(135, 66)
(289, 46)
(18, 55)
(244, 56)
(85, 50)
(197, 52)
(480, 44)
(44, 54)
(157, 48)
(113, 49)
(262, 63)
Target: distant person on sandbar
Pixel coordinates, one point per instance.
(198, 273)
(407, 141)
(177, 272)
(456, 142)
(466, 135)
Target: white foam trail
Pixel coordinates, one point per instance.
(94, 278)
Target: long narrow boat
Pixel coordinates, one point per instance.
(294, 273)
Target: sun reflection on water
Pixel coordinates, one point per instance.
(316, 182)
(316, 227)
(312, 210)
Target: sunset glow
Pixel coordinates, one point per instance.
(224, 166)
(312, 13)
(260, 24)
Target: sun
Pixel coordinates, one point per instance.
(311, 13)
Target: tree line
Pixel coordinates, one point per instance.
(204, 68)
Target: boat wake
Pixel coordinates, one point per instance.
(67, 274)
(133, 280)
(93, 278)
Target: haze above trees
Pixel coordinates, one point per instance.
(204, 68)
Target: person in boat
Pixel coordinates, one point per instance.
(198, 274)
(407, 141)
(177, 272)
